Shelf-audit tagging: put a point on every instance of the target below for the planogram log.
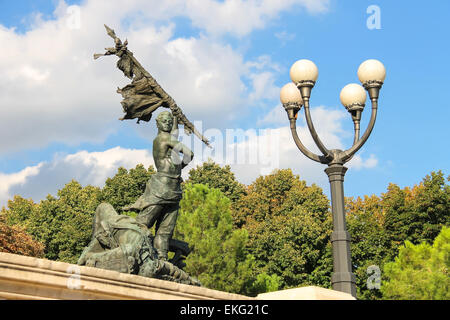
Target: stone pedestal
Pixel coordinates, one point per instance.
(306, 293)
(32, 278)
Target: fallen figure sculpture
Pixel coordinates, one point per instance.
(121, 244)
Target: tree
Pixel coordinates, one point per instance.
(14, 239)
(380, 225)
(416, 214)
(63, 224)
(369, 243)
(126, 186)
(67, 221)
(215, 176)
(289, 226)
(219, 257)
(420, 272)
(20, 211)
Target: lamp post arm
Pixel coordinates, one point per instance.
(356, 125)
(356, 138)
(314, 135)
(356, 146)
(301, 147)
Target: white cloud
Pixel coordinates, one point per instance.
(250, 153)
(263, 86)
(327, 122)
(262, 63)
(242, 17)
(358, 163)
(51, 89)
(88, 168)
(285, 36)
(277, 116)
(48, 75)
(255, 152)
(17, 178)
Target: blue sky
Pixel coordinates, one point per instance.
(224, 63)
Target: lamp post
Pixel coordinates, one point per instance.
(293, 96)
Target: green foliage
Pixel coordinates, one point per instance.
(14, 239)
(289, 226)
(379, 226)
(20, 210)
(219, 258)
(416, 214)
(69, 220)
(214, 176)
(420, 272)
(126, 187)
(369, 242)
(271, 235)
(62, 224)
(263, 283)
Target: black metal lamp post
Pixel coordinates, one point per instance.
(293, 96)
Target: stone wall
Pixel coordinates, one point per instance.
(29, 278)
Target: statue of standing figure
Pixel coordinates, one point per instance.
(160, 202)
(122, 243)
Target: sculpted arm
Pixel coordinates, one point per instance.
(178, 146)
(174, 132)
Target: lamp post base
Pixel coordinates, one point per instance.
(344, 282)
(342, 279)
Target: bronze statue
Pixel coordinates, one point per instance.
(160, 201)
(120, 242)
(143, 95)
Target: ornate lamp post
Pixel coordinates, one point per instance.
(293, 96)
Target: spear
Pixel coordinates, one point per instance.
(143, 95)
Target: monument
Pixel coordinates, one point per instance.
(122, 243)
(122, 247)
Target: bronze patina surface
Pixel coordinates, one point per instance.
(122, 243)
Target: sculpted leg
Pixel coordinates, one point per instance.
(164, 230)
(149, 215)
